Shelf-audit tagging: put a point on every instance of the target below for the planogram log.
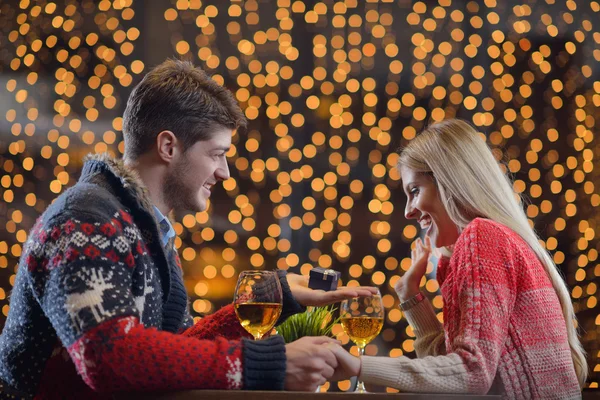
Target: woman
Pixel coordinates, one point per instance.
(508, 319)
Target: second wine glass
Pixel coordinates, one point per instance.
(362, 320)
(258, 301)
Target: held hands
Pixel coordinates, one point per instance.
(348, 365)
(311, 361)
(408, 285)
(310, 297)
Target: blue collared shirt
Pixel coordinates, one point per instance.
(165, 228)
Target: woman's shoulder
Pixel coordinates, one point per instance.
(484, 228)
(486, 233)
(482, 239)
(488, 242)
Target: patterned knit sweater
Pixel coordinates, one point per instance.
(503, 332)
(99, 306)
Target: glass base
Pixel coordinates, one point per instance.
(360, 388)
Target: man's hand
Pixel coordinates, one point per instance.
(310, 363)
(348, 365)
(408, 285)
(311, 297)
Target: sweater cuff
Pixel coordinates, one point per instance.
(422, 318)
(373, 371)
(290, 305)
(264, 363)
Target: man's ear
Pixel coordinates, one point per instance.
(167, 146)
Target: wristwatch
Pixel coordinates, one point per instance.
(413, 301)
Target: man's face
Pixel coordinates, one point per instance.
(190, 178)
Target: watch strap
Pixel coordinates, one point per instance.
(413, 301)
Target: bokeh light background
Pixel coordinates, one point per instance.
(331, 89)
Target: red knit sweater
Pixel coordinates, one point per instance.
(504, 331)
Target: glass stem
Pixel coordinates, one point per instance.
(360, 386)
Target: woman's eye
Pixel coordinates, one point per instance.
(414, 191)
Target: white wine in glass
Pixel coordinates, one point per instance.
(258, 301)
(362, 320)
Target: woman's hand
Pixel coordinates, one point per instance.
(347, 365)
(408, 285)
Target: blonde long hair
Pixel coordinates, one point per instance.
(471, 184)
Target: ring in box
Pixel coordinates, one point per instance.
(324, 279)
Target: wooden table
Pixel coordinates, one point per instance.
(588, 394)
(260, 395)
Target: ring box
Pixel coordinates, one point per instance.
(323, 279)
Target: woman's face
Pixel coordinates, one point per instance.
(423, 203)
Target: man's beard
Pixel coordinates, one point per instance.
(177, 193)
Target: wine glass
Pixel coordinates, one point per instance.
(258, 301)
(362, 320)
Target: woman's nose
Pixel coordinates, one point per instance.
(410, 212)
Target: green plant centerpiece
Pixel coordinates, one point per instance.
(315, 321)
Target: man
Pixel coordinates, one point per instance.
(99, 303)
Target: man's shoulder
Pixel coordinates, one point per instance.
(85, 214)
(83, 200)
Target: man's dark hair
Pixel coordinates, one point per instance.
(180, 98)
